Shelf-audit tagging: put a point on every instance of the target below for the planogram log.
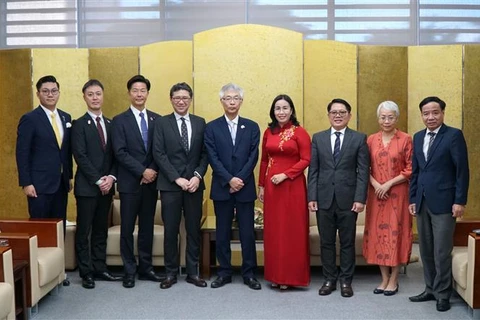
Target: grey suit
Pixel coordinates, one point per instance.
(173, 163)
(335, 187)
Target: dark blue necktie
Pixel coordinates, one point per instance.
(143, 126)
(336, 147)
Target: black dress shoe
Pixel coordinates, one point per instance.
(66, 282)
(107, 276)
(220, 282)
(129, 281)
(378, 291)
(346, 290)
(443, 305)
(196, 280)
(88, 282)
(252, 283)
(327, 288)
(168, 282)
(152, 276)
(422, 297)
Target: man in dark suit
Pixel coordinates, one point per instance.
(181, 157)
(132, 135)
(44, 156)
(93, 189)
(337, 191)
(438, 195)
(232, 146)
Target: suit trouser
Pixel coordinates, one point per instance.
(435, 235)
(328, 222)
(92, 221)
(50, 205)
(224, 212)
(141, 204)
(173, 204)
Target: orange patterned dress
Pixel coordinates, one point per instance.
(387, 239)
(286, 225)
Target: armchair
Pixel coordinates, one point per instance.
(466, 265)
(7, 297)
(40, 243)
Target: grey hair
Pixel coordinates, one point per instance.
(231, 87)
(390, 106)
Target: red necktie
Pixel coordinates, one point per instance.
(100, 132)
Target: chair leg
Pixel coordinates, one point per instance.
(32, 312)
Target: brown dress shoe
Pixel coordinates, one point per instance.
(346, 290)
(327, 288)
(168, 282)
(196, 280)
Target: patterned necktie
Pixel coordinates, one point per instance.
(184, 134)
(56, 130)
(430, 142)
(143, 126)
(100, 132)
(233, 133)
(336, 147)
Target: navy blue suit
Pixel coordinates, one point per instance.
(43, 164)
(436, 185)
(135, 199)
(228, 161)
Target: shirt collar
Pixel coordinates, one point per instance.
(332, 131)
(49, 112)
(435, 131)
(94, 116)
(235, 120)
(186, 117)
(136, 112)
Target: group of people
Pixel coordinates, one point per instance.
(142, 152)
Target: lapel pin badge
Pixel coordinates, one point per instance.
(68, 125)
(89, 121)
(242, 126)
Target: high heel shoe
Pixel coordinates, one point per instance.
(283, 287)
(391, 292)
(273, 285)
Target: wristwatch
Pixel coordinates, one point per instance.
(196, 174)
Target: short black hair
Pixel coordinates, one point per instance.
(341, 101)
(92, 82)
(181, 86)
(138, 78)
(46, 79)
(442, 103)
(293, 118)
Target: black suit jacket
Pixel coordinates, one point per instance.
(346, 180)
(128, 148)
(93, 162)
(40, 161)
(172, 159)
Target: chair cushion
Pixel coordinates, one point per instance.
(6, 297)
(460, 266)
(50, 264)
(113, 241)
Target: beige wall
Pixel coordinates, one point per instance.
(265, 61)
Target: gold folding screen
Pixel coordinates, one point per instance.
(329, 71)
(265, 61)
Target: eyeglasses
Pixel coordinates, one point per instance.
(178, 99)
(47, 92)
(228, 99)
(341, 113)
(384, 119)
